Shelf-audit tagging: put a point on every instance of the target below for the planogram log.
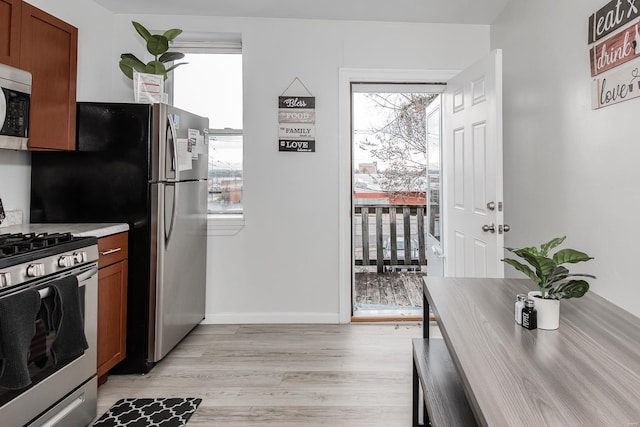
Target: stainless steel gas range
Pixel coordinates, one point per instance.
(48, 328)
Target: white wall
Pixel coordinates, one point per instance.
(95, 57)
(15, 180)
(569, 170)
(283, 266)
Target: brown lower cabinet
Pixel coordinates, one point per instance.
(112, 302)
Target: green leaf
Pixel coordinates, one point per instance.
(558, 273)
(529, 250)
(146, 35)
(157, 45)
(570, 289)
(156, 67)
(176, 65)
(570, 256)
(128, 63)
(546, 247)
(591, 276)
(546, 266)
(171, 56)
(523, 268)
(530, 258)
(172, 34)
(132, 61)
(128, 71)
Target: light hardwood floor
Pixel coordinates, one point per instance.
(284, 375)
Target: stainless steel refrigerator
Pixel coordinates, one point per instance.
(136, 163)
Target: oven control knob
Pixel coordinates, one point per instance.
(5, 280)
(79, 257)
(35, 270)
(65, 261)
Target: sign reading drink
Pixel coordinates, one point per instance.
(616, 86)
(612, 16)
(617, 49)
(297, 123)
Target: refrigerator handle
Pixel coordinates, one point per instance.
(174, 144)
(169, 231)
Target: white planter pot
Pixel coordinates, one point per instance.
(548, 311)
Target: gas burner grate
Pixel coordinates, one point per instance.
(21, 243)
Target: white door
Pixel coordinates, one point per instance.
(472, 180)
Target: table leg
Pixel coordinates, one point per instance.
(425, 317)
(416, 396)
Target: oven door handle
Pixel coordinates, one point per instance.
(85, 275)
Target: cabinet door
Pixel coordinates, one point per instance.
(10, 16)
(112, 316)
(48, 49)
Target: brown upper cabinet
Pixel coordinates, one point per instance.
(10, 17)
(47, 48)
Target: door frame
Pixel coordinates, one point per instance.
(346, 77)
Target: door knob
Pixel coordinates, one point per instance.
(506, 228)
(490, 227)
(491, 206)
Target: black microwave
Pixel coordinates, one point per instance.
(15, 99)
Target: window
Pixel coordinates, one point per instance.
(225, 170)
(211, 86)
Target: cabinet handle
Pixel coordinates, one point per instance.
(110, 251)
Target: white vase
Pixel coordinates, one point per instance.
(548, 311)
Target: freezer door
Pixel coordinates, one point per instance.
(173, 159)
(178, 297)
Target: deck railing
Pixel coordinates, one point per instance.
(386, 245)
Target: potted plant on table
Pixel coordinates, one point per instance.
(554, 280)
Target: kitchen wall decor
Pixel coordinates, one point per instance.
(617, 44)
(297, 121)
(610, 17)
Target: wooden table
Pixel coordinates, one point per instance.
(586, 373)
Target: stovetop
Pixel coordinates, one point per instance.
(18, 248)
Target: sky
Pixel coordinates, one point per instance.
(210, 85)
(367, 115)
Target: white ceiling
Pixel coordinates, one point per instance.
(427, 11)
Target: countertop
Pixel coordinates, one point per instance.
(97, 229)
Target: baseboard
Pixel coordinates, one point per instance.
(267, 318)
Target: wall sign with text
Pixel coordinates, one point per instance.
(612, 16)
(616, 50)
(614, 55)
(619, 85)
(297, 123)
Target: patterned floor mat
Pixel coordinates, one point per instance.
(159, 412)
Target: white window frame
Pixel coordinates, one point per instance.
(218, 224)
